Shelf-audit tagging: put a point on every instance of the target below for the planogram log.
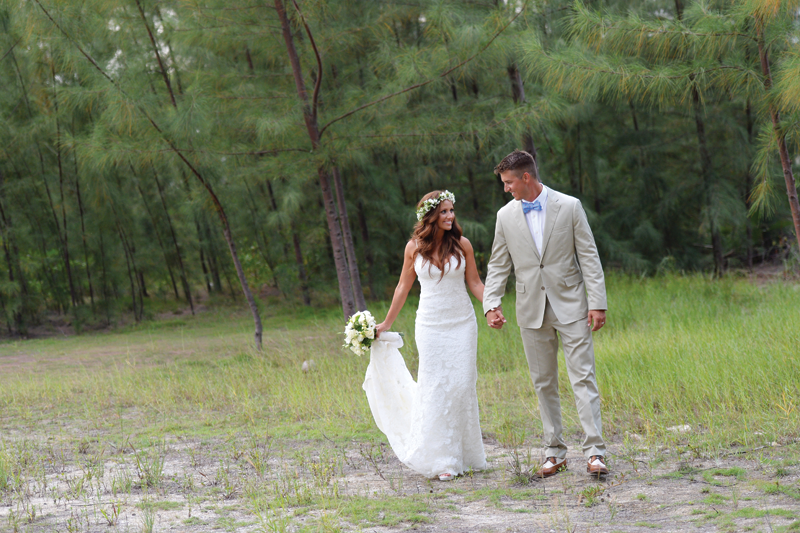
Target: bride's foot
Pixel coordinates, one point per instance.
(446, 476)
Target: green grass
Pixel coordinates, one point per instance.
(389, 511)
(103, 412)
(710, 475)
(496, 496)
(749, 512)
(715, 499)
(717, 355)
(778, 488)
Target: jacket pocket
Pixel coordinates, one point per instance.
(561, 229)
(573, 279)
(520, 287)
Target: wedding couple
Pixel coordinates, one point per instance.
(433, 424)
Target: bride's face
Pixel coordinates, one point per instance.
(447, 215)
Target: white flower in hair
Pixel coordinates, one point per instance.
(430, 203)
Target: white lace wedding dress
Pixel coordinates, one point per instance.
(432, 425)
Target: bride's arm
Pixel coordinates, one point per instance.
(407, 278)
(473, 279)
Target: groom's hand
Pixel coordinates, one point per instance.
(495, 318)
(597, 319)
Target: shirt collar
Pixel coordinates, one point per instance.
(543, 197)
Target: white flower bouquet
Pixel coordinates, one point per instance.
(359, 333)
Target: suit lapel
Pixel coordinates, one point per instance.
(519, 217)
(553, 205)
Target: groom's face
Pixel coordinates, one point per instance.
(517, 185)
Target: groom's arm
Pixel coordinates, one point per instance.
(589, 260)
(498, 270)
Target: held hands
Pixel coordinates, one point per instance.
(596, 319)
(495, 318)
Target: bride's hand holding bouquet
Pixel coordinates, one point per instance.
(360, 332)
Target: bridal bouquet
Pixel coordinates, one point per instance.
(360, 332)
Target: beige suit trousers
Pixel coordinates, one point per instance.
(541, 350)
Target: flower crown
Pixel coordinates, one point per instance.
(430, 203)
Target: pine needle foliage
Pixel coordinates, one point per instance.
(110, 109)
(710, 54)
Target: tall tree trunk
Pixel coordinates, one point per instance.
(349, 306)
(231, 289)
(212, 255)
(141, 282)
(748, 186)
(56, 224)
(138, 277)
(173, 101)
(65, 237)
(226, 230)
(518, 95)
(12, 260)
(161, 246)
(517, 89)
(780, 136)
(203, 262)
(349, 246)
(274, 205)
(83, 232)
(34, 223)
(529, 146)
(164, 73)
(642, 156)
(301, 267)
(310, 118)
(131, 275)
(184, 279)
(707, 173)
(260, 235)
(50, 278)
(104, 285)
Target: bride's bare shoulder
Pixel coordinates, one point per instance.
(411, 247)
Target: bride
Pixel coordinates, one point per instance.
(432, 425)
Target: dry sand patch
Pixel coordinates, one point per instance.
(255, 484)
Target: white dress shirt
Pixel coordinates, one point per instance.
(535, 220)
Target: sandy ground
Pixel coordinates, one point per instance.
(250, 484)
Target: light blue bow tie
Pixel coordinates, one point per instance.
(531, 206)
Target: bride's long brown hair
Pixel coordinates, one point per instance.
(425, 231)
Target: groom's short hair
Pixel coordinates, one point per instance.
(520, 161)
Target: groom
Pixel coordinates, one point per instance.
(545, 237)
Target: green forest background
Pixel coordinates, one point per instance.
(181, 150)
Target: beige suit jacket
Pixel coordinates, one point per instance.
(568, 273)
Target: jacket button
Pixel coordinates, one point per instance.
(542, 288)
(541, 266)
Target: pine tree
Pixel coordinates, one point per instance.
(708, 54)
